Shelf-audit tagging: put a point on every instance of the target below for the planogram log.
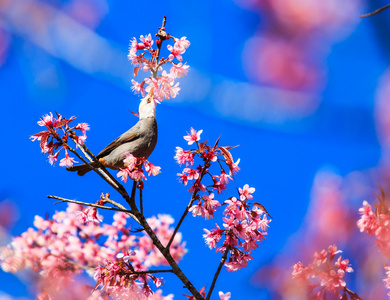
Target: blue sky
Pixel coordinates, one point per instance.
(279, 156)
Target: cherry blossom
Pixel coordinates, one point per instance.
(134, 168)
(179, 70)
(163, 85)
(55, 138)
(61, 247)
(175, 53)
(325, 274)
(193, 137)
(225, 296)
(246, 192)
(67, 161)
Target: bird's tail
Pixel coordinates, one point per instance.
(82, 169)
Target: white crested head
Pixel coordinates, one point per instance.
(147, 107)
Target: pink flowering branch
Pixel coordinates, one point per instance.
(193, 198)
(119, 207)
(325, 275)
(375, 222)
(245, 222)
(379, 10)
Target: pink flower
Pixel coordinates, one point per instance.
(197, 186)
(124, 174)
(320, 258)
(235, 167)
(125, 255)
(175, 53)
(343, 265)
(67, 161)
(53, 158)
(84, 127)
(224, 178)
(82, 216)
(80, 140)
(138, 88)
(136, 60)
(179, 70)
(183, 156)
(300, 271)
(192, 174)
(130, 161)
(48, 121)
(134, 46)
(219, 186)
(147, 40)
(210, 205)
(182, 44)
(246, 192)
(223, 296)
(157, 281)
(197, 210)
(88, 215)
(183, 178)
(173, 90)
(332, 249)
(212, 237)
(194, 136)
(152, 169)
(137, 175)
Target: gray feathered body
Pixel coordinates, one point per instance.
(140, 141)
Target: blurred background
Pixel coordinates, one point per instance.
(301, 85)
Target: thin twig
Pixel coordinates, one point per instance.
(62, 200)
(223, 259)
(153, 271)
(101, 174)
(108, 200)
(353, 294)
(375, 12)
(141, 205)
(163, 36)
(101, 171)
(193, 198)
(133, 190)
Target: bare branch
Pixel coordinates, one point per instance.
(129, 212)
(223, 259)
(376, 11)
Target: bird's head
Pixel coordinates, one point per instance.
(147, 107)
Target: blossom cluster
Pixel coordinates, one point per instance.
(134, 168)
(62, 247)
(325, 275)
(55, 137)
(208, 155)
(163, 85)
(245, 224)
(377, 223)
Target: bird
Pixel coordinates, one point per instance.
(140, 141)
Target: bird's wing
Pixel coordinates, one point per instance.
(131, 135)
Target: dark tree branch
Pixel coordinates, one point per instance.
(223, 259)
(376, 11)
